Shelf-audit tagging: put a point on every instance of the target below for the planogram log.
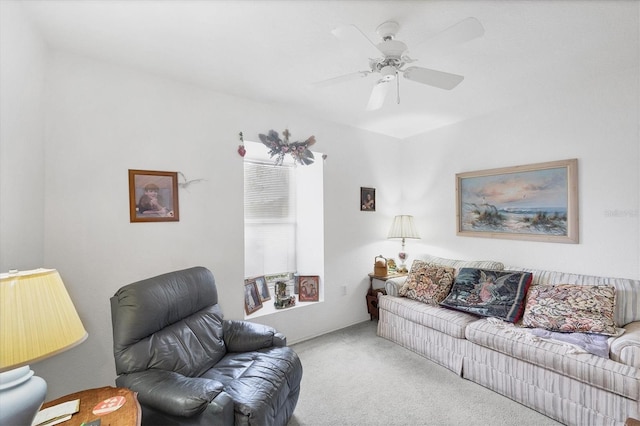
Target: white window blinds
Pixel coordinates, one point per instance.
(270, 218)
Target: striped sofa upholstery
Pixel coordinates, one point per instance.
(572, 388)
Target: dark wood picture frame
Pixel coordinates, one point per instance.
(263, 288)
(309, 288)
(153, 196)
(252, 300)
(367, 199)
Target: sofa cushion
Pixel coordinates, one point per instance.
(489, 293)
(627, 290)
(393, 285)
(571, 308)
(450, 322)
(427, 284)
(519, 343)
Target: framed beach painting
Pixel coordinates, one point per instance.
(535, 202)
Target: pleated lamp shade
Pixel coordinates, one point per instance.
(37, 318)
(403, 227)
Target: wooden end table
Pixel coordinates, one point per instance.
(372, 295)
(127, 415)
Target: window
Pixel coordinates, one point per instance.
(283, 219)
(269, 218)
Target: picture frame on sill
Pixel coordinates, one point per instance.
(367, 199)
(251, 296)
(153, 196)
(534, 202)
(309, 288)
(263, 288)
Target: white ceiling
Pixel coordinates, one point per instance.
(271, 51)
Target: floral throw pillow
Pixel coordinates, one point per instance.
(571, 308)
(489, 293)
(427, 284)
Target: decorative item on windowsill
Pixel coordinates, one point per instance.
(278, 148)
(403, 227)
(283, 299)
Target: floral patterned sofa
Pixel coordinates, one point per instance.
(535, 354)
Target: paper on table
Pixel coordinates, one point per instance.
(56, 414)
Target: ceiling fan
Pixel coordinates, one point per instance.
(394, 57)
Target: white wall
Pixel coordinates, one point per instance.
(597, 124)
(103, 120)
(21, 141)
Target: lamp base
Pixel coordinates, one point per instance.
(21, 396)
(403, 258)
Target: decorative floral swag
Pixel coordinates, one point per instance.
(279, 148)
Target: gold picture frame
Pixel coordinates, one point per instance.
(153, 196)
(535, 202)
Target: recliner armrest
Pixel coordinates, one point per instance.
(245, 336)
(171, 392)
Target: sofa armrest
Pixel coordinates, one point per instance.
(245, 336)
(171, 392)
(626, 348)
(393, 285)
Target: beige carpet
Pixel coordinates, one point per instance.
(353, 377)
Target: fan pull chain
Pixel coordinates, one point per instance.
(398, 88)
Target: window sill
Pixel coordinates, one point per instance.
(268, 308)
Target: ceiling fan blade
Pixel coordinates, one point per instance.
(463, 31)
(378, 94)
(341, 78)
(357, 39)
(440, 79)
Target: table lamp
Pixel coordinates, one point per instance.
(403, 227)
(37, 320)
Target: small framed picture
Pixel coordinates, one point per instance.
(153, 196)
(263, 289)
(309, 288)
(251, 297)
(367, 199)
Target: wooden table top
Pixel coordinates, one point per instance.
(389, 275)
(127, 415)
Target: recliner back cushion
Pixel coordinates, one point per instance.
(169, 322)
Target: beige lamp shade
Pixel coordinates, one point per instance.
(403, 227)
(37, 318)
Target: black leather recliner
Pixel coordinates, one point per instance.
(189, 366)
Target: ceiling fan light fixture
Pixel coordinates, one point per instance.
(389, 73)
(392, 48)
(388, 30)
